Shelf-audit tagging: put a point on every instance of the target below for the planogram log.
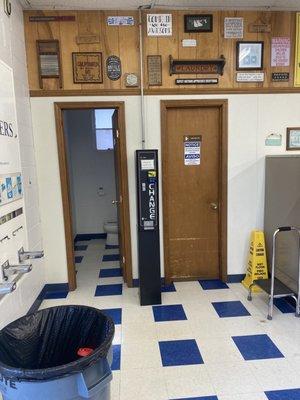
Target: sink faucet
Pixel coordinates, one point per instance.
(6, 288)
(29, 255)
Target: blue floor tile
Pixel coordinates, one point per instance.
(56, 295)
(168, 288)
(109, 290)
(257, 347)
(80, 247)
(111, 246)
(116, 364)
(230, 309)
(210, 284)
(110, 272)
(111, 257)
(78, 259)
(169, 313)
(179, 352)
(284, 306)
(115, 314)
(290, 394)
(199, 398)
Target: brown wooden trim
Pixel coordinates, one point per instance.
(64, 177)
(85, 92)
(222, 104)
(161, 91)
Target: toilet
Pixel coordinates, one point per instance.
(112, 230)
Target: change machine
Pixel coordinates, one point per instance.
(148, 227)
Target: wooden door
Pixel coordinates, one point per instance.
(119, 199)
(193, 190)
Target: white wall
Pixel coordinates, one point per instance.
(12, 53)
(89, 169)
(251, 119)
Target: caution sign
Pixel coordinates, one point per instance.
(257, 260)
(192, 149)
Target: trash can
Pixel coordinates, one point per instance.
(60, 353)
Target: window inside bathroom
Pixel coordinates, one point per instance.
(103, 129)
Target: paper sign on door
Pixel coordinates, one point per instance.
(192, 149)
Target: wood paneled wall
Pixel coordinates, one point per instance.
(124, 42)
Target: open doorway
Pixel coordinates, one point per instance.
(93, 169)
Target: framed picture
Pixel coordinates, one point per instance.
(293, 138)
(198, 23)
(87, 67)
(249, 55)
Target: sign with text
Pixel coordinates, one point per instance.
(120, 20)
(159, 24)
(280, 53)
(250, 77)
(233, 28)
(192, 149)
(9, 146)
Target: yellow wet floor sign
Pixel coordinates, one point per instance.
(257, 260)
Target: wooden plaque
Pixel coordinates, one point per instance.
(154, 65)
(197, 66)
(48, 54)
(261, 27)
(87, 67)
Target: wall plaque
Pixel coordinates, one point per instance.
(48, 54)
(154, 65)
(198, 23)
(87, 39)
(159, 24)
(120, 20)
(280, 76)
(280, 52)
(197, 66)
(259, 27)
(52, 18)
(233, 28)
(250, 77)
(197, 81)
(113, 68)
(87, 67)
(131, 80)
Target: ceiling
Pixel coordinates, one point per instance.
(182, 4)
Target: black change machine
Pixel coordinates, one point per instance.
(148, 227)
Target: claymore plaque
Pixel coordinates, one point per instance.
(197, 66)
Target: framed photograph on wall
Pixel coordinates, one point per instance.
(293, 138)
(198, 23)
(249, 55)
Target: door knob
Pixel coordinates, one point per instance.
(214, 206)
(115, 202)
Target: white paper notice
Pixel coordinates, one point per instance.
(192, 150)
(159, 24)
(250, 77)
(280, 54)
(233, 28)
(147, 164)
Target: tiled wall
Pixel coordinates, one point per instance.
(12, 53)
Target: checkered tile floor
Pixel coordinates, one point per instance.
(205, 342)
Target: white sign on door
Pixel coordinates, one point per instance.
(159, 24)
(192, 150)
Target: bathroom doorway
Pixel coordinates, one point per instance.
(93, 169)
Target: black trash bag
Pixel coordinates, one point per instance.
(44, 345)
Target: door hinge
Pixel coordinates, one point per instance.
(117, 133)
(123, 260)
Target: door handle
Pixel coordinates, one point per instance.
(115, 202)
(214, 206)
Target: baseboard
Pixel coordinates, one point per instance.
(49, 291)
(89, 236)
(235, 278)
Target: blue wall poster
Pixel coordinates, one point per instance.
(11, 188)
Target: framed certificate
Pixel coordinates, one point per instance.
(249, 55)
(293, 138)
